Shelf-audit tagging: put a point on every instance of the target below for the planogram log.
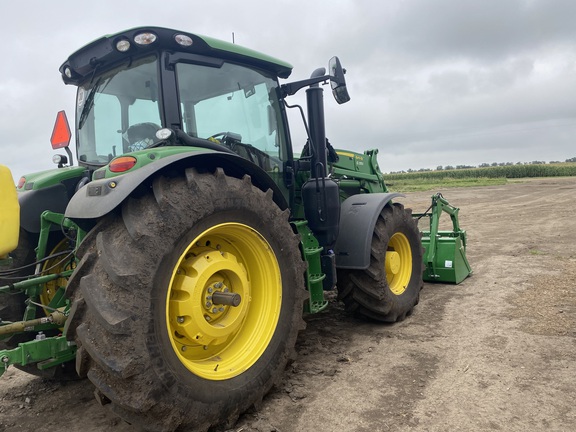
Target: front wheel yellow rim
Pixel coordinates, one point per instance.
(398, 263)
(223, 302)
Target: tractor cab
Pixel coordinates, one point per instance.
(149, 94)
(135, 84)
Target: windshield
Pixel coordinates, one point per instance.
(118, 112)
(236, 105)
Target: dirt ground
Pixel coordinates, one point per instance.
(496, 352)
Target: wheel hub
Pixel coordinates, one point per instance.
(204, 321)
(393, 262)
(218, 298)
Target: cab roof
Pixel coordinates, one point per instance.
(111, 49)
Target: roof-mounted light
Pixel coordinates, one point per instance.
(68, 72)
(146, 38)
(123, 45)
(183, 40)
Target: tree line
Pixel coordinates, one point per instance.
(483, 165)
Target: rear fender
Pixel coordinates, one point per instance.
(100, 197)
(47, 190)
(358, 216)
(34, 202)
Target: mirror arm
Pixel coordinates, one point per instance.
(291, 88)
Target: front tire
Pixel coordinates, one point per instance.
(153, 335)
(390, 287)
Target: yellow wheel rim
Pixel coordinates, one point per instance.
(224, 301)
(57, 264)
(398, 263)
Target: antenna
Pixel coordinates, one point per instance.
(233, 37)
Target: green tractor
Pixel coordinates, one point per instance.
(173, 265)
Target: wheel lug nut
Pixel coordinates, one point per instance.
(184, 348)
(207, 317)
(214, 310)
(221, 309)
(208, 304)
(180, 319)
(210, 290)
(218, 285)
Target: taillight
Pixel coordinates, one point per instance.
(21, 182)
(122, 164)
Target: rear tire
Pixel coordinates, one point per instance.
(150, 336)
(390, 287)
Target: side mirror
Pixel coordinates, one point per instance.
(337, 81)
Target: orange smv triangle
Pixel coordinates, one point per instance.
(61, 134)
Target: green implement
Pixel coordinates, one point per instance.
(444, 251)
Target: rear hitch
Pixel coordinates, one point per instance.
(46, 352)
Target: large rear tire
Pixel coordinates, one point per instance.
(390, 287)
(187, 305)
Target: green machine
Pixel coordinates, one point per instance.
(444, 251)
(174, 264)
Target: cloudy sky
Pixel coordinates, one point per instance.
(443, 82)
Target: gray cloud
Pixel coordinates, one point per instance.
(432, 83)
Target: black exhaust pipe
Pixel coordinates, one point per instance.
(320, 193)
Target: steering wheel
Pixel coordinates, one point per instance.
(229, 139)
(216, 135)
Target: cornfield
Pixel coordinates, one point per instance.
(509, 172)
